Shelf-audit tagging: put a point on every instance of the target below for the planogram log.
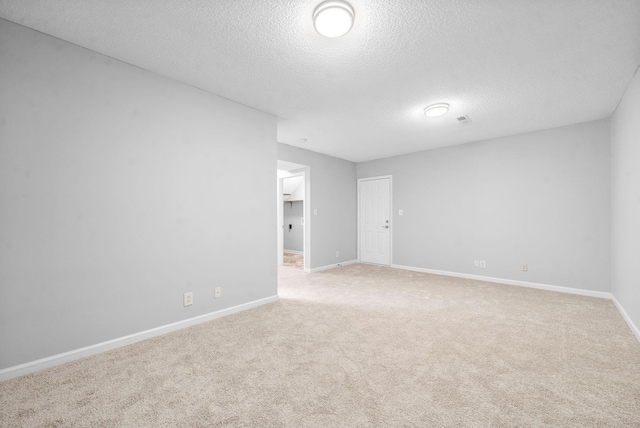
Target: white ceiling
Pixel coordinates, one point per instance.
(512, 66)
(289, 185)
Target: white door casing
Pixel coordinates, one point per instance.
(374, 220)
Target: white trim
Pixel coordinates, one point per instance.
(327, 267)
(293, 252)
(76, 354)
(600, 294)
(390, 177)
(634, 329)
(280, 222)
(306, 209)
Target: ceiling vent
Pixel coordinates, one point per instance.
(463, 119)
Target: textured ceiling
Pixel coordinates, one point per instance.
(512, 66)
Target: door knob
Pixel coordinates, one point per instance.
(386, 227)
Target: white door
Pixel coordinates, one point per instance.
(374, 221)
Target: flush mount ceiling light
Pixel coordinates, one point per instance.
(333, 18)
(435, 110)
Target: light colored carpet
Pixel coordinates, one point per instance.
(360, 346)
(293, 260)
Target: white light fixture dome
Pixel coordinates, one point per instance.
(435, 110)
(333, 18)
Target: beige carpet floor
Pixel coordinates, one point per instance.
(360, 346)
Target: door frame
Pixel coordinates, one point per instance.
(390, 177)
(306, 235)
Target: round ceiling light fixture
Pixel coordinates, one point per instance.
(333, 18)
(435, 110)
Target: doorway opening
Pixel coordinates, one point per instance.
(294, 223)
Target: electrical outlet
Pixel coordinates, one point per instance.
(337, 253)
(525, 268)
(218, 292)
(483, 264)
(476, 263)
(188, 299)
(400, 212)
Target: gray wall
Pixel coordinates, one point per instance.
(293, 238)
(540, 198)
(110, 199)
(625, 201)
(333, 194)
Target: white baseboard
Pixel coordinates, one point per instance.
(76, 354)
(301, 253)
(634, 328)
(327, 267)
(600, 294)
(55, 360)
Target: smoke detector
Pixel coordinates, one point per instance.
(463, 119)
